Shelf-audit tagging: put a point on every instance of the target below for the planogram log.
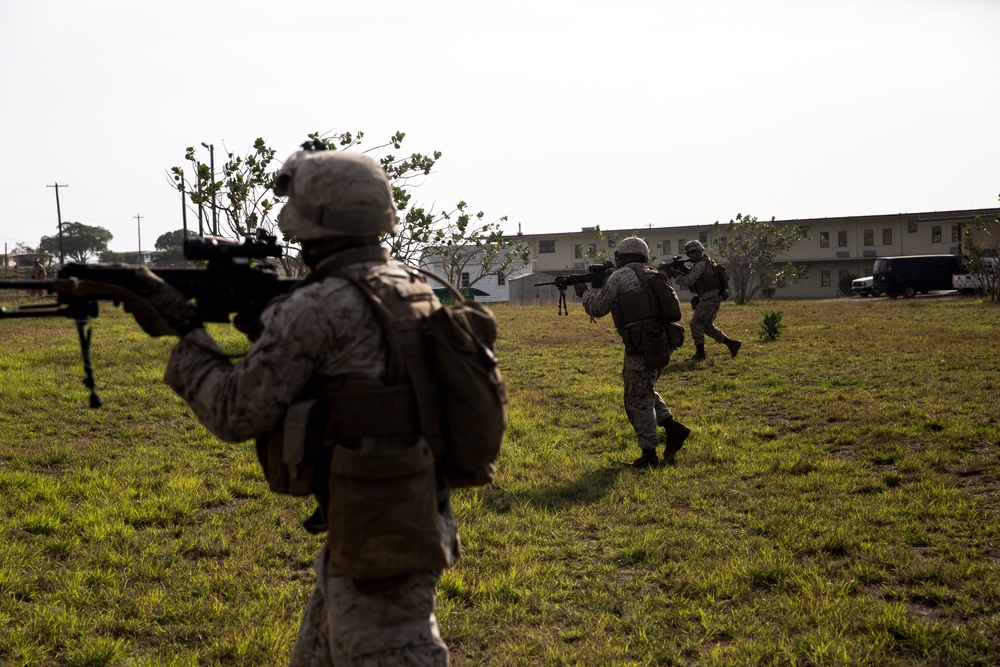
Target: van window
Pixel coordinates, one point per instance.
(880, 266)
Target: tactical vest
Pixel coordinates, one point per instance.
(363, 448)
(709, 279)
(646, 318)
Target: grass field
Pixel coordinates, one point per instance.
(836, 505)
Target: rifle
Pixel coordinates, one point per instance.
(676, 264)
(596, 275)
(228, 283)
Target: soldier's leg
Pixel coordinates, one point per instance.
(344, 626)
(640, 406)
(710, 310)
(660, 409)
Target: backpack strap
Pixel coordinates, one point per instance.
(336, 262)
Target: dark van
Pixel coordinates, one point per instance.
(908, 275)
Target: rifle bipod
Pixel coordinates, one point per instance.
(88, 368)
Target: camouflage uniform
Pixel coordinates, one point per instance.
(326, 328)
(644, 407)
(703, 319)
(37, 273)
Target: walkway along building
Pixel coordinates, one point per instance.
(833, 247)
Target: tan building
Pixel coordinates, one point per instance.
(834, 247)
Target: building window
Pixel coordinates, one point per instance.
(824, 239)
(501, 280)
(824, 278)
(723, 241)
(841, 239)
(666, 247)
(803, 271)
(680, 245)
(546, 246)
(843, 275)
(936, 234)
(804, 231)
(956, 233)
(869, 237)
(703, 237)
(886, 237)
(612, 241)
(582, 251)
(465, 281)
(911, 226)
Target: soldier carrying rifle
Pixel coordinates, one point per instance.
(645, 310)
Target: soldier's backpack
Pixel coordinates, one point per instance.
(647, 319)
(442, 381)
(473, 394)
(723, 276)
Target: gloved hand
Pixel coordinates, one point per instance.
(580, 288)
(171, 312)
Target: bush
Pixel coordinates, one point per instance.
(772, 326)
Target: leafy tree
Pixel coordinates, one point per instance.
(750, 247)
(981, 249)
(245, 203)
(80, 242)
(846, 283)
(170, 246)
(111, 257)
(24, 249)
(467, 242)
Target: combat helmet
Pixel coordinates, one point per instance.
(632, 245)
(334, 193)
(693, 245)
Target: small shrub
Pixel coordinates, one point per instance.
(772, 326)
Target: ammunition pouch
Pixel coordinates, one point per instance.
(649, 339)
(295, 456)
(384, 518)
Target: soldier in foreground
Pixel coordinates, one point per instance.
(322, 346)
(627, 294)
(703, 280)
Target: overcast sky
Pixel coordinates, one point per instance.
(557, 114)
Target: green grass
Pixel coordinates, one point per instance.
(835, 505)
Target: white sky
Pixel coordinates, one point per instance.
(558, 114)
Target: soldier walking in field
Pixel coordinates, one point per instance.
(642, 319)
(37, 273)
(704, 280)
(321, 350)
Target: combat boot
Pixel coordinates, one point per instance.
(647, 460)
(699, 353)
(677, 433)
(733, 345)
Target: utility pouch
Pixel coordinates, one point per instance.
(675, 335)
(294, 456)
(655, 347)
(383, 512)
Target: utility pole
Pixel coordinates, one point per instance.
(211, 162)
(138, 226)
(59, 216)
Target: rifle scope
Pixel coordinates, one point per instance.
(214, 248)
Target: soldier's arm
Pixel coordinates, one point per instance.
(597, 303)
(693, 275)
